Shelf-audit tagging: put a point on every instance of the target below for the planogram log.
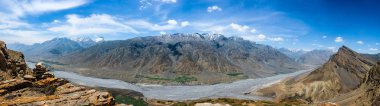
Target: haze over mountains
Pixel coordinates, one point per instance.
(313, 57)
(53, 48)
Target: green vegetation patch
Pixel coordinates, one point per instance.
(181, 79)
(130, 101)
(184, 79)
(234, 74)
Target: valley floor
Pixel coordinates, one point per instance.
(237, 89)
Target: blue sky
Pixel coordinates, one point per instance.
(294, 24)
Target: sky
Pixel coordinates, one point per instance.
(293, 24)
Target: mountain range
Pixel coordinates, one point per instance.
(204, 58)
(313, 57)
(53, 48)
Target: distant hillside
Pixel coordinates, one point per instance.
(342, 73)
(294, 54)
(201, 58)
(314, 57)
(373, 57)
(53, 48)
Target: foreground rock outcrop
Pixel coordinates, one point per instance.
(20, 85)
(343, 73)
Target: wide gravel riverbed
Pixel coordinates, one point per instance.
(229, 90)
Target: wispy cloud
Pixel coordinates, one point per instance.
(338, 39)
(360, 42)
(239, 27)
(13, 12)
(21, 8)
(93, 24)
(324, 37)
(149, 26)
(213, 9)
(373, 49)
(185, 23)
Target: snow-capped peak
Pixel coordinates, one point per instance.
(99, 39)
(83, 39)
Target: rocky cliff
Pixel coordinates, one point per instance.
(368, 94)
(20, 85)
(342, 73)
(210, 58)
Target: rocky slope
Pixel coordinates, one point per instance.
(367, 95)
(206, 58)
(341, 74)
(19, 85)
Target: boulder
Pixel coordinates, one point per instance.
(3, 56)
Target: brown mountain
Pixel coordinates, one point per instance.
(367, 95)
(342, 73)
(206, 58)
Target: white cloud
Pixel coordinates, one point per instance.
(261, 36)
(28, 36)
(7, 23)
(256, 38)
(253, 30)
(324, 37)
(318, 45)
(56, 21)
(168, 1)
(12, 10)
(145, 25)
(332, 48)
(172, 22)
(373, 49)
(162, 32)
(239, 27)
(213, 8)
(185, 23)
(93, 24)
(360, 42)
(338, 39)
(21, 8)
(99, 39)
(277, 39)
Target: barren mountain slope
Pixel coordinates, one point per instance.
(341, 74)
(368, 93)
